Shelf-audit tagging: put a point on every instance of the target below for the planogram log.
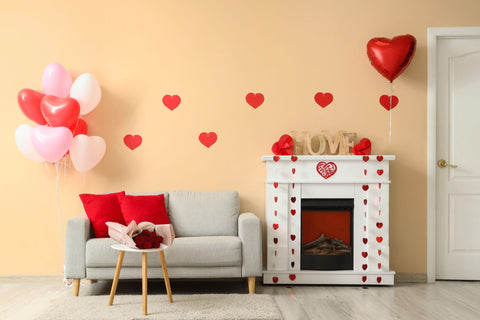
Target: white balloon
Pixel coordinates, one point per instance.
(23, 139)
(86, 152)
(87, 92)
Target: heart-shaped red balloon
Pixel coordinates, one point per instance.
(80, 128)
(60, 112)
(29, 101)
(391, 56)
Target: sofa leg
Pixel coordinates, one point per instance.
(76, 287)
(251, 284)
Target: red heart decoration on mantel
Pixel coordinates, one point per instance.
(380, 172)
(276, 158)
(379, 225)
(254, 99)
(292, 264)
(275, 226)
(365, 187)
(293, 199)
(60, 112)
(364, 266)
(365, 240)
(391, 56)
(379, 239)
(207, 138)
(379, 252)
(292, 236)
(379, 158)
(323, 99)
(379, 279)
(292, 277)
(294, 158)
(132, 141)
(326, 169)
(293, 251)
(386, 103)
(364, 254)
(275, 185)
(275, 240)
(364, 278)
(275, 279)
(293, 170)
(366, 158)
(293, 211)
(379, 266)
(171, 102)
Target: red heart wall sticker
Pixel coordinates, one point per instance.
(386, 103)
(323, 99)
(171, 102)
(207, 138)
(132, 141)
(255, 100)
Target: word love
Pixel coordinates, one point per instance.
(323, 143)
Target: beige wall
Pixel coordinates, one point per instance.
(211, 53)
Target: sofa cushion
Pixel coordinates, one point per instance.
(219, 251)
(150, 208)
(101, 208)
(208, 213)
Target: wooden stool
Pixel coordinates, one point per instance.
(123, 248)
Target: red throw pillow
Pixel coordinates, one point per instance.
(101, 208)
(149, 208)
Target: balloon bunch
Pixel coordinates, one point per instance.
(57, 112)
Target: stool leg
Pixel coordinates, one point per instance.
(115, 278)
(76, 286)
(144, 282)
(165, 276)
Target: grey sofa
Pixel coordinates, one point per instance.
(213, 240)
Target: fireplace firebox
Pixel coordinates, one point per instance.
(327, 234)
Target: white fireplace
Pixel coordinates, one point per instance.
(327, 220)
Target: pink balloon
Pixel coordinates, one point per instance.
(51, 143)
(56, 81)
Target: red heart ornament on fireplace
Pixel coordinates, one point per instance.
(379, 158)
(275, 226)
(293, 199)
(364, 254)
(364, 278)
(364, 266)
(379, 239)
(293, 170)
(365, 187)
(293, 211)
(275, 185)
(379, 266)
(275, 199)
(275, 213)
(379, 172)
(379, 252)
(293, 251)
(292, 237)
(365, 240)
(294, 158)
(292, 277)
(292, 264)
(276, 158)
(379, 225)
(275, 279)
(379, 279)
(326, 169)
(275, 240)
(365, 201)
(366, 158)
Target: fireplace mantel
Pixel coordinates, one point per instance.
(365, 179)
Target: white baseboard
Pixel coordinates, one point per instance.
(411, 277)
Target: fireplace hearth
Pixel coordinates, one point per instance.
(327, 226)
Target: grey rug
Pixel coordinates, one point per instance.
(185, 307)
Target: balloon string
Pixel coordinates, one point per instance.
(390, 126)
(58, 211)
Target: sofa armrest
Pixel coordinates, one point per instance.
(250, 233)
(77, 232)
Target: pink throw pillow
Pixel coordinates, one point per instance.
(101, 208)
(149, 208)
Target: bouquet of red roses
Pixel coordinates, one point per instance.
(148, 240)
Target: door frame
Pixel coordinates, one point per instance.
(433, 35)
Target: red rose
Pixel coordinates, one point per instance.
(147, 245)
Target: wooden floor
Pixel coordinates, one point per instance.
(24, 297)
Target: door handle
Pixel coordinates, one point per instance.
(442, 164)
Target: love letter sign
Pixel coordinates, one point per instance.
(326, 169)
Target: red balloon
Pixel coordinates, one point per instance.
(80, 128)
(29, 102)
(391, 56)
(60, 112)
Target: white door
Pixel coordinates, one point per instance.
(458, 144)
